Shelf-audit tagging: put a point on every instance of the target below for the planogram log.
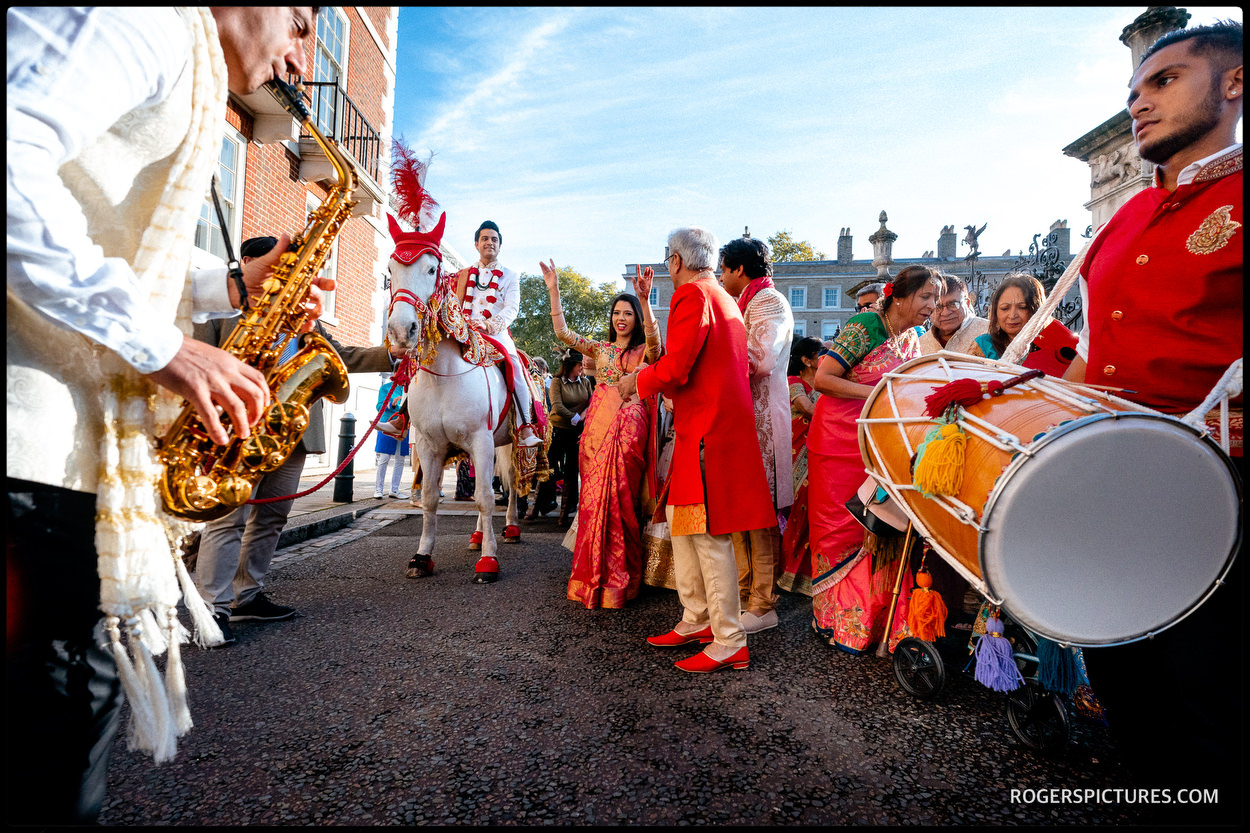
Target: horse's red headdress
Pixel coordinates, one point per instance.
(411, 202)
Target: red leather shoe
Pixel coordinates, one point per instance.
(701, 663)
(672, 639)
(475, 541)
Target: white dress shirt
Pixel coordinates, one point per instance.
(72, 74)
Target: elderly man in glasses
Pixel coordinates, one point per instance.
(868, 296)
(955, 324)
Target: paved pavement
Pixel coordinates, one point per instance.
(317, 515)
(439, 701)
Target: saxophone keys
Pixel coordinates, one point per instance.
(234, 491)
(286, 417)
(199, 492)
(259, 452)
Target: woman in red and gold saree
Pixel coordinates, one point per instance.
(795, 569)
(853, 573)
(617, 468)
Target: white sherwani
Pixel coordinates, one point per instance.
(492, 301)
(961, 341)
(770, 329)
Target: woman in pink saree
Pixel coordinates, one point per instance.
(617, 468)
(853, 573)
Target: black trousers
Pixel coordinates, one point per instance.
(62, 692)
(563, 457)
(1176, 706)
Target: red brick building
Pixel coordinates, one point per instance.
(272, 174)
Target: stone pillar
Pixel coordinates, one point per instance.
(1117, 172)
(946, 243)
(1149, 26)
(844, 246)
(882, 241)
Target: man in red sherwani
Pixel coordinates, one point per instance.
(716, 483)
(1162, 286)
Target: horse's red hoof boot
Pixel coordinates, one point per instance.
(486, 571)
(420, 566)
(475, 541)
(511, 534)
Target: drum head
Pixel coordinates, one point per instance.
(1115, 528)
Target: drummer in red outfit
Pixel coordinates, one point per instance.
(1162, 282)
(704, 372)
(1162, 287)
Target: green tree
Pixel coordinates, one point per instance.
(785, 249)
(585, 311)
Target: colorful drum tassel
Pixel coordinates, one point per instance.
(940, 461)
(968, 392)
(926, 612)
(996, 666)
(1056, 667)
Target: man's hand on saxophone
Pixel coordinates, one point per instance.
(256, 271)
(209, 377)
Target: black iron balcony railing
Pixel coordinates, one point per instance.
(338, 118)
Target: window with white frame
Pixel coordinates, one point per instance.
(230, 168)
(798, 297)
(329, 269)
(653, 297)
(829, 328)
(329, 64)
(800, 328)
(833, 297)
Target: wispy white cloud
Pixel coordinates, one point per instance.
(588, 134)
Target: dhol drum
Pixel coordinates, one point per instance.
(1092, 520)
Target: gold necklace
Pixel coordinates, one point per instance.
(893, 340)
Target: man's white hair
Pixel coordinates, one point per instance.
(874, 288)
(697, 247)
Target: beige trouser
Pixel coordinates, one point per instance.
(756, 553)
(707, 584)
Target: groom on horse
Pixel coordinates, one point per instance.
(491, 295)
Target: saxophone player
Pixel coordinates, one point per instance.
(114, 127)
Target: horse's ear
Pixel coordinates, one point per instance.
(396, 231)
(437, 234)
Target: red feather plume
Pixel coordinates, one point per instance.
(408, 179)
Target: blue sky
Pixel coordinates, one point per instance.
(589, 134)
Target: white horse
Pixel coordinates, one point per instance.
(451, 403)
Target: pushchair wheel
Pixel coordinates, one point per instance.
(918, 668)
(1038, 717)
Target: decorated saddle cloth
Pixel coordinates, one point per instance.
(530, 462)
(442, 315)
(527, 462)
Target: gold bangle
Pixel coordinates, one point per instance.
(557, 312)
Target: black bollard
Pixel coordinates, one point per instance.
(343, 480)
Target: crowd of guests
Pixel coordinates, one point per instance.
(613, 450)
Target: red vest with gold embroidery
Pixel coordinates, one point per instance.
(1165, 290)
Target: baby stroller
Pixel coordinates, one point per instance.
(1039, 718)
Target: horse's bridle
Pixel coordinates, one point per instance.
(406, 296)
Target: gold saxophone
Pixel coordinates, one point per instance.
(202, 480)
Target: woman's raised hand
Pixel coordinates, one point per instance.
(550, 276)
(642, 281)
